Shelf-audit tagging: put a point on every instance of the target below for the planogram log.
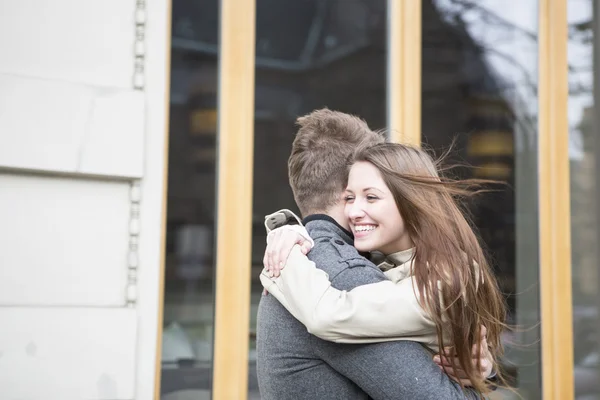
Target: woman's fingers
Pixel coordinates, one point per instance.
(454, 373)
(483, 332)
(485, 363)
(480, 357)
(446, 365)
(485, 367)
(266, 262)
(287, 241)
(270, 251)
(482, 366)
(306, 247)
(457, 375)
(464, 382)
(269, 257)
(279, 247)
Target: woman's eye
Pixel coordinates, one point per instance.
(348, 199)
(372, 198)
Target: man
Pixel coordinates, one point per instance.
(293, 364)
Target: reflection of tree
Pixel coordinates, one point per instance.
(487, 16)
(503, 47)
(583, 198)
(580, 65)
(584, 182)
(475, 16)
(493, 31)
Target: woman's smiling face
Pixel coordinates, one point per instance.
(371, 210)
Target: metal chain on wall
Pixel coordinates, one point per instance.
(140, 45)
(134, 236)
(135, 187)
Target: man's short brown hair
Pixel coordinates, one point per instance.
(318, 164)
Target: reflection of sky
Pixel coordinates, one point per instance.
(507, 32)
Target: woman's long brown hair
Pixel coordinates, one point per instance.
(455, 283)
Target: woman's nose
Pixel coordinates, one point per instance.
(356, 211)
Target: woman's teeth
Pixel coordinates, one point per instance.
(364, 228)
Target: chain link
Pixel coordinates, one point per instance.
(139, 80)
(134, 238)
(139, 48)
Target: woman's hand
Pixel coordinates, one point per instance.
(279, 246)
(483, 364)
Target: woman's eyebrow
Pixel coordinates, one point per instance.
(372, 188)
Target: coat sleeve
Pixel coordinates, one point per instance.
(281, 218)
(375, 312)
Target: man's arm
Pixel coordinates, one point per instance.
(376, 311)
(392, 370)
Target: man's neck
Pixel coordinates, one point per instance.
(337, 213)
(318, 224)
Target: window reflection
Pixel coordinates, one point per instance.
(309, 54)
(583, 151)
(189, 265)
(480, 88)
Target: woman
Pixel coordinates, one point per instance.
(398, 205)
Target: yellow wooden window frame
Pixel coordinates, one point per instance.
(234, 215)
(404, 71)
(163, 228)
(554, 203)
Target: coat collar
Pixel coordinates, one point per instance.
(398, 266)
(323, 222)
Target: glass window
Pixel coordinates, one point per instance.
(583, 51)
(309, 54)
(479, 74)
(190, 257)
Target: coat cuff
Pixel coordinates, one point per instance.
(281, 218)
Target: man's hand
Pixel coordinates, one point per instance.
(279, 246)
(483, 365)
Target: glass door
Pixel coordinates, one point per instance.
(187, 338)
(480, 93)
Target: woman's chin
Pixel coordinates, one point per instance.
(364, 248)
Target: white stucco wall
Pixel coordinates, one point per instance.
(73, 135)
